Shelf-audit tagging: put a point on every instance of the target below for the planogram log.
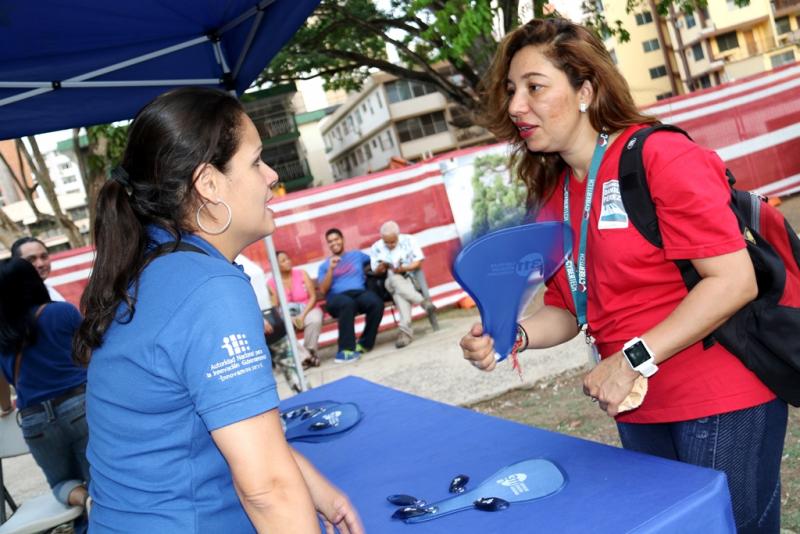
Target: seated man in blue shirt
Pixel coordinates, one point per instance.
(342, 281)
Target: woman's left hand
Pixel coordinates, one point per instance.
(610, 382)
(335, 509)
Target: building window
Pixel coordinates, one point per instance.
(690, 22)
(422, 126)
(727, 41)
(651, 45)
(358, 117)
(697, 51)
(400, 90)
(613, 55)
(644, 18)
(389, 140)
(658, 72)
(703, 82)
(662, 96)
(378, 98)
(782, 25)
(70, 179)
(782, 59)
(374, 142)
(367, 151)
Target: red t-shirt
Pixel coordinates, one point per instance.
(633, 285)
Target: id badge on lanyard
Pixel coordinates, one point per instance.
(577, 281)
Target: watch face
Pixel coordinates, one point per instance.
(637, 354)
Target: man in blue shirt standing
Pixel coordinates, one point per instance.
(342, 281)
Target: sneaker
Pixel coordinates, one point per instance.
(428, 306)
(403, 340)
(361, 348)
(347, 356)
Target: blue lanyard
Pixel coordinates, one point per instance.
(577, 284)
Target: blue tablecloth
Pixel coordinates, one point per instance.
(406, 444)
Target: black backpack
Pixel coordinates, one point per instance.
(765, 334)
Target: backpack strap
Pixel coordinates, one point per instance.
(638, 202)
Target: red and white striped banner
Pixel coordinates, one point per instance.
(753, 124)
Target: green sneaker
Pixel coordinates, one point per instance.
(360, 348)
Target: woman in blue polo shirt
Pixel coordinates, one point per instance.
(185, 434)
(36, 357)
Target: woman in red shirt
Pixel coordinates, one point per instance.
(554, 93)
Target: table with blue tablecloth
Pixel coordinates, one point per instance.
(407, 444)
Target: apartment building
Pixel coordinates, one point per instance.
(393, 118)
(675, 54)
(273, 114)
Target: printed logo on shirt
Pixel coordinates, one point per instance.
(515, 482)
(235, 344)
(240, 360)
(612, 214)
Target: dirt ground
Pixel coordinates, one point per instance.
(558, 404)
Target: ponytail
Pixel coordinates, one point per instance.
(169, 138)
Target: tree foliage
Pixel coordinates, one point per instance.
(344, 39)
(104, 151)
(498, 200)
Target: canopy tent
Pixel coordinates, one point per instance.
(72, 63)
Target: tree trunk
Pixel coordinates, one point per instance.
(39, 168)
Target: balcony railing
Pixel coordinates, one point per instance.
(290, 170)
(274, 127)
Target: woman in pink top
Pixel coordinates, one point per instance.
(302, 297)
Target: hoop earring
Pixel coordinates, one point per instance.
(224, 227)
(583, 107)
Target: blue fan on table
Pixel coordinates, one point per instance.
(319, 421)
(524, 481)
(501, 270)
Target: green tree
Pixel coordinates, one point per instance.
(344, 39)
(106, 144)
(498, 201)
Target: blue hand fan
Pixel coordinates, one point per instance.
(523, 481)
(323, 421)
(501, 270)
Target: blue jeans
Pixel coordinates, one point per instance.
(746, 445)
(57, 440)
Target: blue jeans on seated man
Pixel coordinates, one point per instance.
(345, 306)
(57, 440)
(746, 445)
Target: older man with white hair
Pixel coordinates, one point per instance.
(398, 255)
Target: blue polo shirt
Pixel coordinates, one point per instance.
(348, 275)
(193, 359)
(47, 369)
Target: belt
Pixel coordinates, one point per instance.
(55, 401)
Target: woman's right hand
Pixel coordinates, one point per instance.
(478, 348)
